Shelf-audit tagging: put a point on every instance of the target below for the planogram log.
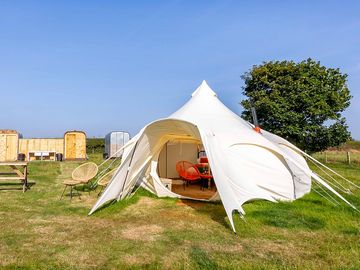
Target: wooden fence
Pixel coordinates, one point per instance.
(346, 157)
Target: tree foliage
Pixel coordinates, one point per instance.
(95, 145)
(301, 102)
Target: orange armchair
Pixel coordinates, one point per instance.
(189, 172)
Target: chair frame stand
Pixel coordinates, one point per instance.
(81, 175)
(71, 193)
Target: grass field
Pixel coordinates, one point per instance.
(39, 231)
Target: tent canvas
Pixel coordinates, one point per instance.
(246, 165)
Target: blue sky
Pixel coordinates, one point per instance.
(99, 66)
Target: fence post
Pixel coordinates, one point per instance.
(348, 157)
(326, 157)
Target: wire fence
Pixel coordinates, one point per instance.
(345, 157)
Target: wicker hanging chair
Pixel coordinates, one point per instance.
(81, 175)
(85, 172)
(105, 179)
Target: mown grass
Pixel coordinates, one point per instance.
(39, 231)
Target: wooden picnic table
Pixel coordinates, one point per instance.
(18, 171)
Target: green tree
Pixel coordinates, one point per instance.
(95, 145)
(301, 102)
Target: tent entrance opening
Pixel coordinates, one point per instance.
(184, 169)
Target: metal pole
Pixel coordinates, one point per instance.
(255, 120)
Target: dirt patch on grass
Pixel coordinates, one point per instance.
(176, 220)
(228, 248)
(180, 219)
(145, 233)
(192, 204)
(143, 206)
(85, 199)
(69, 237)
(67, 230)
(140, 259)
(177, 258)
(264, 248)
(6, 258)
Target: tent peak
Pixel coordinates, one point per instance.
(204, 88)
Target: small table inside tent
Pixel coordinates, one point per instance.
(204, 168)
(17, 170)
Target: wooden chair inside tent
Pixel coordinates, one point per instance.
(80, 176)
(105, 179)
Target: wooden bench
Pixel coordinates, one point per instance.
(18, 172)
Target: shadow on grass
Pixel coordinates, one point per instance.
(214, 210)
(315, 201)
(15, 186)
(115, 206)
(351, 231)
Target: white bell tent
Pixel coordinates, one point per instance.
(246, 165)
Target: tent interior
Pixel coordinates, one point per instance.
(190, 150)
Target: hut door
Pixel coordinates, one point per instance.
(11, 147)
(80, 147)
(71, 146)
(2, 147)
(8, 147)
